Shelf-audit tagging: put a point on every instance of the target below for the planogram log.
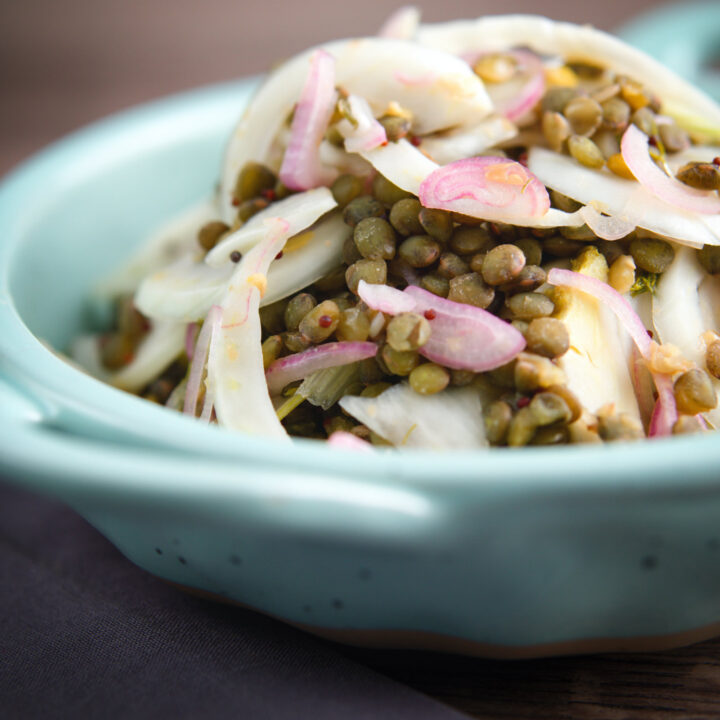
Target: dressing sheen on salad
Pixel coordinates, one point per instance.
(498, 232)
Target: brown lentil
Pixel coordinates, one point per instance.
(674, 138)
(522, 428)
(531, 248)
(548, 408)
(644, 119)
(532, 372)
(531, 277)
(607, 142)
(553, 435)
(556, 98)
(687, 424)
(502, 264)
(694, 392)
(295, 341)
(371, 271)
(570, 400)
(563, 202)
(652, 254)
(272, 317)
(619, 427)
(709, 257)
(556, 129)
(702, 176)
(712, 359)
(470, 289)
(461, 378)
(615, 114)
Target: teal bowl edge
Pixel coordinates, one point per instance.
(144, 476)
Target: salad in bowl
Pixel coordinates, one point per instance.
(498, 232)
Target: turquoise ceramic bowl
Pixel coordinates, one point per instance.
(503, 553)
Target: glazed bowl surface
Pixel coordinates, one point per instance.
(501, 553)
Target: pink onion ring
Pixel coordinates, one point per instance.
(301, 169)
(300, 365)
(665, 413)
(462, 336)
(634, 148)
(490, 188)
(607, 228)
(199, 358)
(190, 339)
(533, 90)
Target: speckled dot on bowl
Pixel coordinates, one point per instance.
(505, 554)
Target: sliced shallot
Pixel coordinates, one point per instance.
(301, 169)
(490, 188)
(363, 132)
(348, 441)
(634, 147)
(300, 365)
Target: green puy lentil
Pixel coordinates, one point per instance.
(353, 325)
(502, 264)
(497, 422)
(619, 427)
(585, 151)
(674, 138)
(584, 115)
(295, 341)
(709, 257)
(321, 322)
(652, 254)
(297, 308)
(531, 248)
(470, 239)
(530, 278)
(248, 208)
(371, 271)
(396, 127)
(419, 251)
(399, 362)
(210, 233)
(694, 392)
(386, 192)
(436, 284)
(252, 180)
(687, 424)
(436, 223)
(272, 317)
(346, 188)
(408, 331)
(405, 216)
(271, 350)
(556, 129)
(361, 207)
(375, 239)
(712, 359)
(547, 337)
(451, 265)
(471, 289)
(556, 98)
(529, 305)
(429, 379)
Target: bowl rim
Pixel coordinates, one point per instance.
(64, 396)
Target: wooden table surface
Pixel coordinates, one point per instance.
(64, 64)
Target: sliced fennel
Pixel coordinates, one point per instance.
(621, 198)
(681, 317)
(450, 419)
(597, 365)
(186, 289)
(440, 91)
(454, 145)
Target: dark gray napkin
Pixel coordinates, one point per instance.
(86, 634)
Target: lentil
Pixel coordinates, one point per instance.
(297, 308)
(396, 127)
(556, 129)
(616, 164)
(375, 239)
(522, 428)
(346, 188)
(531, 248)
(468, 240)
(496, 68)
(709, 257)
(702, 176)
(436, 223)
(271, 350)
(584, 115)
(615, 114)
(399, 362)
(585, 151)
(272, 317)
(295, 341)
(429, 379)
(694, 392)
(353, 325)
(436, 284)
(250, 207)
(533, 372)
(621, 275)
(547, 337)
(556, 98)
(461, 378)
(419, 251)
(652, 254)
(361, 207)
(386, 192)
(252, 180)
(619, 427)
(470, 289)
(687, 424)
(451, 265)
(497, 421)
(320, 323)
(674, 138)
(210, 233)
(553, 435)
(371, 271)
(531, 277)
(528, 305)
(405, 216)
(408, 331)
(712, 359)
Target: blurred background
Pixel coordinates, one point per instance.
(64, 63)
